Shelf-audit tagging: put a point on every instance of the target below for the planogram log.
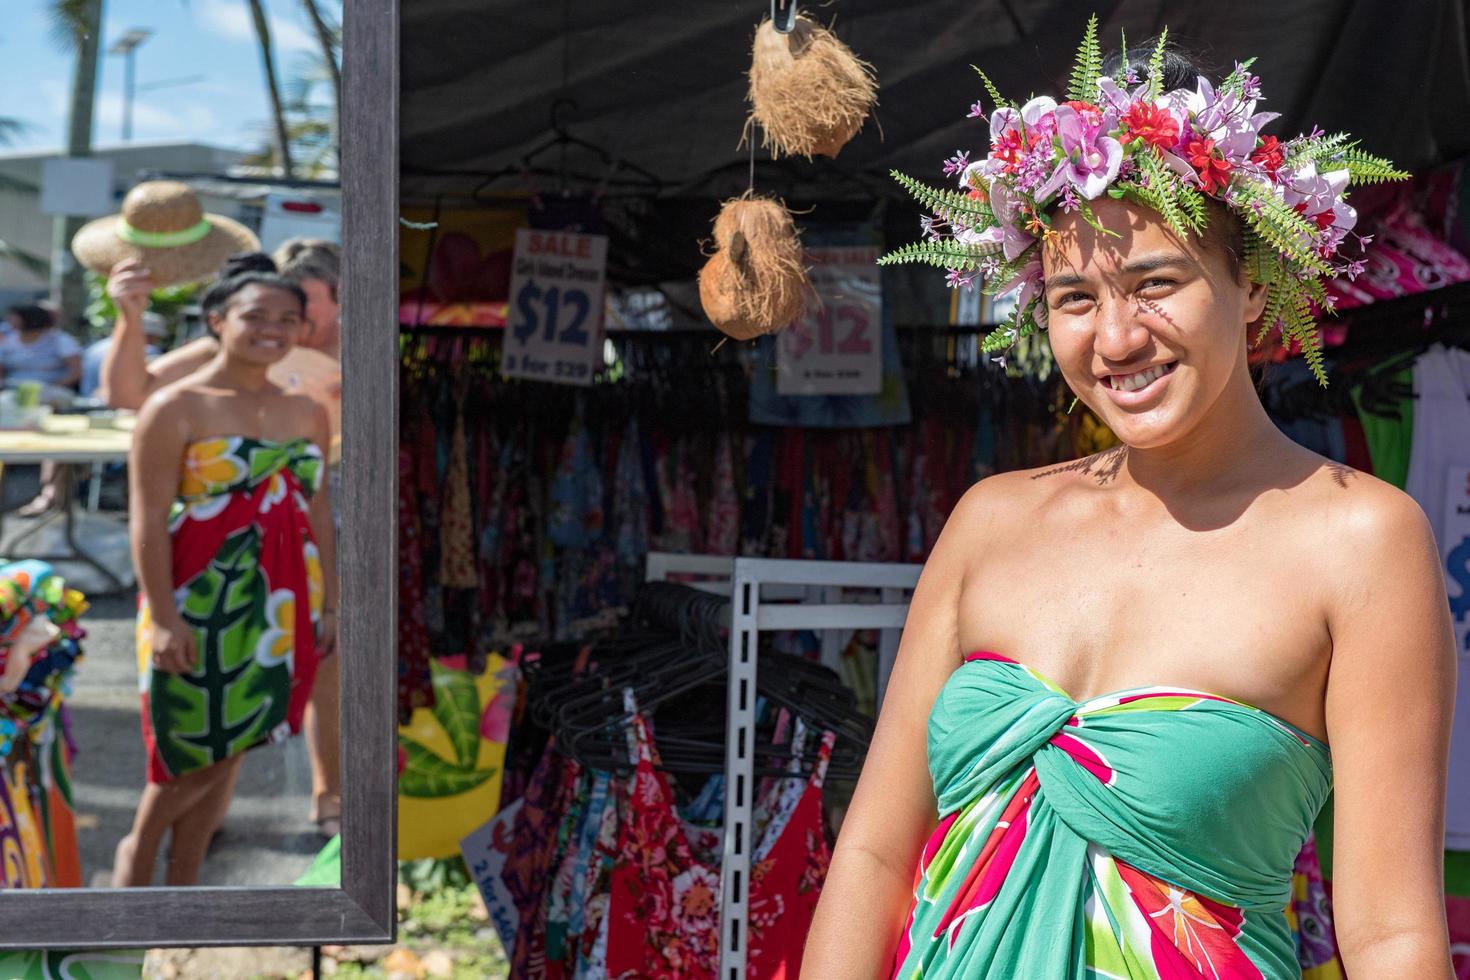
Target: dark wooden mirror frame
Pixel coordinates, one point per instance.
(362, 909)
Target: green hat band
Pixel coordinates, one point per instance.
(163, 239)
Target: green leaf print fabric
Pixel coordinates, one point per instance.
(248, 581)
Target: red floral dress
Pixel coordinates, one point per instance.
(786, 881)
(664, 910)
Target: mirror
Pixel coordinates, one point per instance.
(176, 478)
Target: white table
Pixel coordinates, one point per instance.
(67, 440)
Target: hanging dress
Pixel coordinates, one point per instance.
(1142, 834)
(663, 912)
(248, 581)
(786, 879)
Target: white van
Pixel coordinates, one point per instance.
(299, 214)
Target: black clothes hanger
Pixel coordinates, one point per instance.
(562, 140)
(674, 659)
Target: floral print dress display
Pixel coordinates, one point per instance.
(1077, 842)
(247, 579)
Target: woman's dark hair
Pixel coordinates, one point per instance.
(1182, 69)
(246, 269)
(32, 317)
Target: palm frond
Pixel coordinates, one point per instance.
(28, 261)
(68, 21)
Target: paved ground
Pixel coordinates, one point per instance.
(266, 838)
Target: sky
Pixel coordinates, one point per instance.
(210, 44)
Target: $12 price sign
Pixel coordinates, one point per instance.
(554, 328)
(836, 348)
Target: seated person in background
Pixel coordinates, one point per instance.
(156, 329)
(35, 350)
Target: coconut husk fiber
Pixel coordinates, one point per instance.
(808, 91)
(756, 282)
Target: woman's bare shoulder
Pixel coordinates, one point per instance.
(1351, 519)
(1021, 490)
(1009, 503)
(1359, 506)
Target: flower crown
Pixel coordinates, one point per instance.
(1125, 137)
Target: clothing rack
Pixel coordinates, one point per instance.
(760, 589)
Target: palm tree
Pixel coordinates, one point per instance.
(329, 37)
(310, 122)
(281, 137)
(75, 25)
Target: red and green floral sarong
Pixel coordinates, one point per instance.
(248, 581)
(1145, 834)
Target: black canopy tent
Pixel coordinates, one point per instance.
(656, 93)
(661, 84)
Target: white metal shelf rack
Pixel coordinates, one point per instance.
(768, 594)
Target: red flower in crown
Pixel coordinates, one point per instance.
(1269, 155)
(1209, 163)
(1009, 147)
(1323, 219)
(1090, 113)
(1151, 123)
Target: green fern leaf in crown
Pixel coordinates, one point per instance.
(1279, 225)
(945, 254)
(998, 277)
(1156, 67)
(1088, 67)
(1235, 81)
(998, 101)
(1364, 168)
(947, 204)
(1192, 203)
(1314, 149)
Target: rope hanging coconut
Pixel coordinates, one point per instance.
(808, 91)
(756, 282)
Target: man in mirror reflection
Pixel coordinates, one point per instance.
(129, 376)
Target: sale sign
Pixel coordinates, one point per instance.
(553, 329)
(836, 348)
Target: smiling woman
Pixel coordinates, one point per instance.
(236, 558)
(1203, 588)
(234, 544)
(1140, 321)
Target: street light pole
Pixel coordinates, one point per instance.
(126, 46)
(129, 68)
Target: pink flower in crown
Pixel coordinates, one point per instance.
(1226, 118)
(1319, 198)
(1114, 99)
(1092, 160)
(1008, 232)
(1014, 132)
(1031, 283)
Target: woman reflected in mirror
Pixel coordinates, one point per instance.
(234, 547)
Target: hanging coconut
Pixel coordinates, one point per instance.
(808, 91)
(756, 282)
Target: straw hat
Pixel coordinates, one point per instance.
(163, 224)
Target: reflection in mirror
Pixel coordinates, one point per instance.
(169, 447)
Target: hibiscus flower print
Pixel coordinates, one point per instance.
(276, 489)
(211, 466)
(278, 642)
(315, 583)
